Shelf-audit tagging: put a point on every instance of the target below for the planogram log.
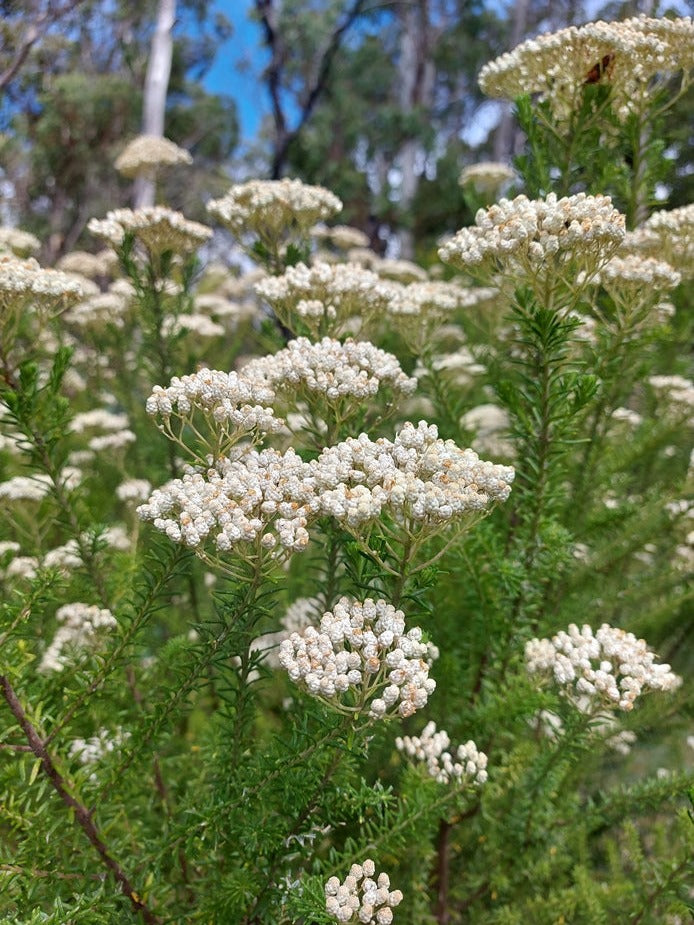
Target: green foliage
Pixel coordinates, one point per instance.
(169, 769)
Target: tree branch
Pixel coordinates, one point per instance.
(274, 72)
(81, 814)
(31, 36)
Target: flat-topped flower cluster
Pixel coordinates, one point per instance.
(220, 408)
(626, 55)
(156, 227)
(267, 206)
(353, 369)
(535, 238)
(417, 479)
(325, 296)
(260, 496)
(363, 650)
(611, 667)
(81, 626)
(371, 901)
(432, 747)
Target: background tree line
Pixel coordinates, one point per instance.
(376, 100)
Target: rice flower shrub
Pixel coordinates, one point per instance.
(337, 591)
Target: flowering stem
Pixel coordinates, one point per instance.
(80, 813)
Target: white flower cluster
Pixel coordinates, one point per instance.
(88, 265)
(362, 649)
(361, 898)
(93, 749)
(99, 419)
(610, 667)
(352, 370)
(626, 55)
(26, 487)
(266, 497)
(270, 207)
(24, 283)
(340, 236)
(325, 296)
(133, 490)
(101, 309)
(18, 242)
(676, 390)
(487, 176)
(36, 487)
(144, 154)
(432, 747)
(626, 276)
(117, 440)
(604, 725)
(231, 405)
(527, 238)
(491, 425)
(194, 323)
(158, 228)
(417, 478)
(425, 298)
(668, 235)
(402, 271)
(82, 626)
(300, 614)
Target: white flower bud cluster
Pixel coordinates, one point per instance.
(93, 749)
(17, 242)
(526, 237)
(401, 271)
(88, 265)
(429, 298)
(98, 419)
(362, 649)
(26, 487)
(36, 487)
(432, 747)
(627, 416)
(158, 228)
(231, 405)
(341, 236)
(262, 496)
(104, 308)
(144, 154)
(191, 323)
(417, 478)
(65, 557)
(82, 627)
(610, 667)
(117, 440)
(132, 490)
(300, 614)
(668, 235)
(325, 295)
(271, 206)
(222, 308)
(626, 55)
(24, 282)
(491, 425)
(604, 725)
(487, 176)
(361, 898)
(675, 389)
(353, 370)
(625, 276)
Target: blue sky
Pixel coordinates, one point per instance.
(238, 62)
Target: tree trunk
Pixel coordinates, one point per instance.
(504, 140)
(416, 76)
(156, 88)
